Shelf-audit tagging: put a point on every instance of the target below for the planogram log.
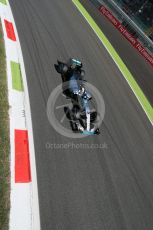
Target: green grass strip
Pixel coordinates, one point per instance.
(124, 70)
(17, 83)
(3, 2)
(4, 141)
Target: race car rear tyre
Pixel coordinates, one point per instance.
(74, 126)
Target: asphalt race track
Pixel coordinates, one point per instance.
(108, 188)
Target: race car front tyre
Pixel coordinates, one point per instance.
(64, 68)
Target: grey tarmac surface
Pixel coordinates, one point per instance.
(107, 188)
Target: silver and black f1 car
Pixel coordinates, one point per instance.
(82, 116)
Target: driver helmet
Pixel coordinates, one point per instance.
(76, 64)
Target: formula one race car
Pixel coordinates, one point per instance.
(82, 116)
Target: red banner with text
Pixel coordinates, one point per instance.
(134, 42)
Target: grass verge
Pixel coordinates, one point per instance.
(4, 141)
